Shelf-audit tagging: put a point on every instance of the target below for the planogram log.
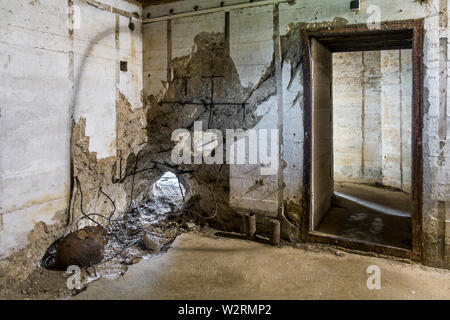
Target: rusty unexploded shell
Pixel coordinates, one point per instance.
(82, 248)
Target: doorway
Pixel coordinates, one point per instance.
(363, 120)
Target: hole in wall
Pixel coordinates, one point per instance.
(159, 217)
(49, 258)
(124, 66)
(167, 194)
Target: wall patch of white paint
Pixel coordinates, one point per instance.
(246, 190)
(130, 50)
(293, 133)
(251, 42)
(155, 57)
(95, 73)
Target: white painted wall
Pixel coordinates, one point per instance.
(97, 74)
(35, 96)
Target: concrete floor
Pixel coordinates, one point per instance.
(200, 267)
(383, 196)
(352, 220)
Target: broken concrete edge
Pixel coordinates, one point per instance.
(102, 180)
(95, 174)
(100, 172)
(18, 266)
(193, 66)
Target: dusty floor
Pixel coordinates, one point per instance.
(208, 267)
(159, 217)
(202, 265)
(377, 194)
(352, 220)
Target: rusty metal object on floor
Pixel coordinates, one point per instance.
(244, 224)
(82, 248)
(275, 236)
(251, 226)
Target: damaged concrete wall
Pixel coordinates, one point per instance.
(372, 117)
(249, 32)
(252, 51)
(57, 56)
(251, 55)
(122, 142)
(108, 110)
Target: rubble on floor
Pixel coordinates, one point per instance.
(142, 232)
(82, 248)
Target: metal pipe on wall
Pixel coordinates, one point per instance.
(216, 9)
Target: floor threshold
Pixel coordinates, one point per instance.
(358, 244)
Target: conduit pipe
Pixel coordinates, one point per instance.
(213, 10)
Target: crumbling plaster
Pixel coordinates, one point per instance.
(50, 69)
(56, 70)
(313, 14)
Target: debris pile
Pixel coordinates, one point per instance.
(144, 230)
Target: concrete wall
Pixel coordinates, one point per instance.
(36, 90)
(251, 33)
(251, 48)
(372, 117)
(47, 67)
(45, 64)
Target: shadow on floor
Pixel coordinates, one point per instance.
(368, 213)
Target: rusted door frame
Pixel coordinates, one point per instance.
(412, 32)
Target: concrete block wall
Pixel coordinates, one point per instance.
(347, 119)
(372, 116)
(47, 67)
(290, 96)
